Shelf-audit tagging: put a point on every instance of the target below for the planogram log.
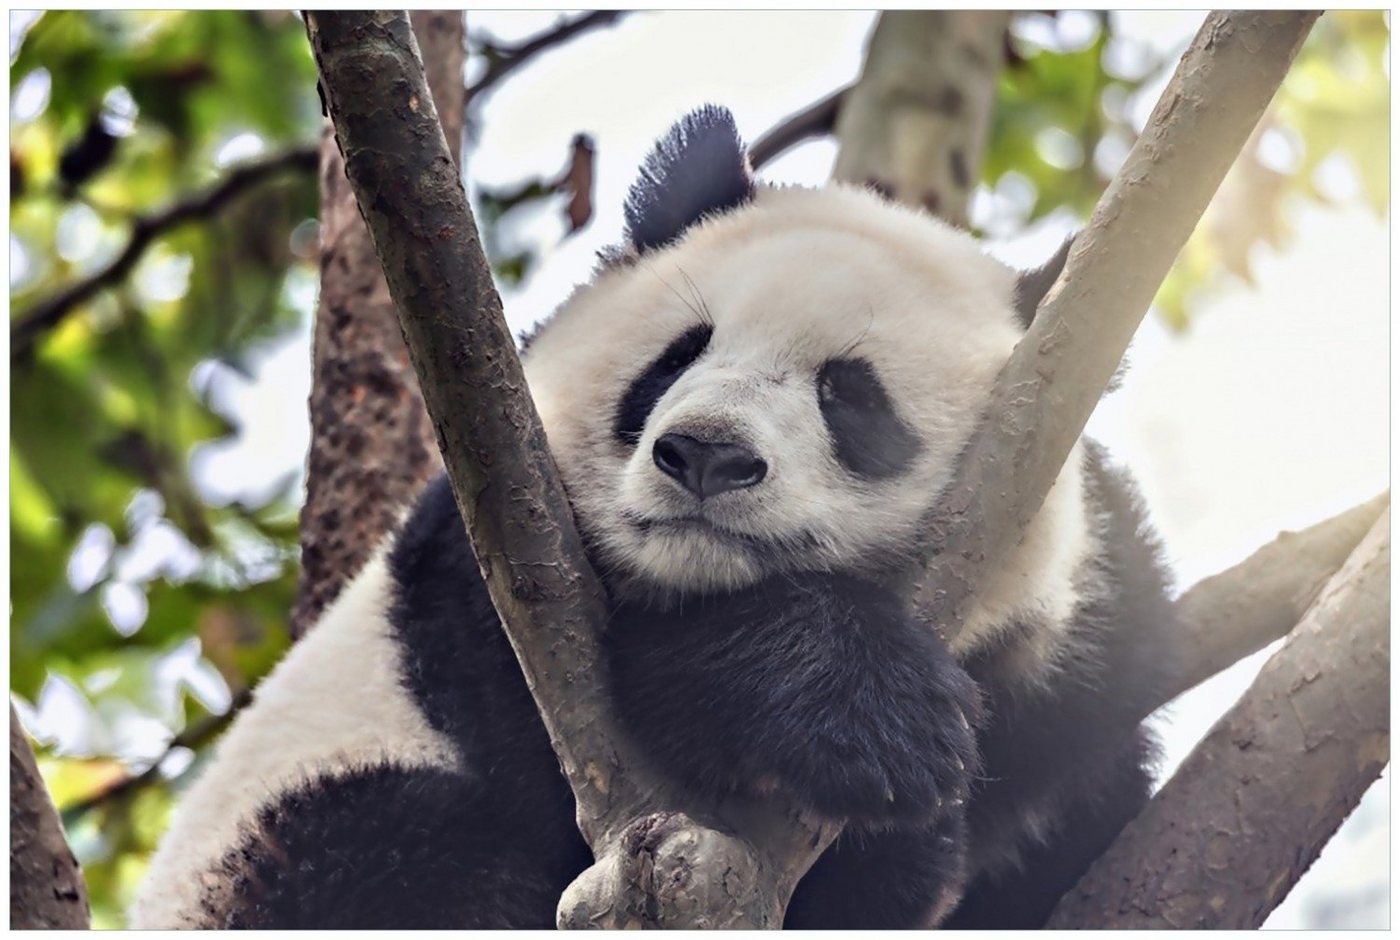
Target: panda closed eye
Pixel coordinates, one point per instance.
(646, 389)
(869, 437)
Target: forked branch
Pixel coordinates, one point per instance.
(1248, 812)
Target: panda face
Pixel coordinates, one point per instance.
(784, 387)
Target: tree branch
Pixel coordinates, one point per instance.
(46, 885)
(505, 61)
(1059, 370)
(814, 120)
(915, 125)
(1241, 610)
(656, 864)
(1250, 809)
(372, 445)
(47, 313)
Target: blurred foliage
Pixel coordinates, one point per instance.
(1325, 139)
(138, 602)
(142, 603)
(1075, 95)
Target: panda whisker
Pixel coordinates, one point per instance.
(700, 312)
(699, 297)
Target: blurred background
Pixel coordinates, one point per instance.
(158, 427)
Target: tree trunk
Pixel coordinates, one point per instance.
(372, 445)
(46, 886)
(915, 125)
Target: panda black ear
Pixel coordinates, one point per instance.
(1032, 286)
(700, 168)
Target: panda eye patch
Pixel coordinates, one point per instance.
(870, 439)
(646, 389)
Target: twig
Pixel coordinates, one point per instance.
(49, 312)
(1059, 370)
(505, 61)
(193, 737)
(812, 121)
(1231, 833)
(656, 864)
(1230, 615)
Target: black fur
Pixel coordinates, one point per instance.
(700, 168)
(887, 879)
(1071, 746)
(1033, 285)
(647, 388)
(386, 848)
(821, 682)
(871, 440)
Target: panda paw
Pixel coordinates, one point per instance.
(903, 764)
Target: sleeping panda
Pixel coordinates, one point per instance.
(753, 406)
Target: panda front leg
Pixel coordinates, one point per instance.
(819, 683)
(393, 847)
(886, 879)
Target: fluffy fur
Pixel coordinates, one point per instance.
(753, 406)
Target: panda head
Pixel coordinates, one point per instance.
(765, 379)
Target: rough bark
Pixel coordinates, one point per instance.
(1250, 809)
(1059, 370)
(914, 126)
(706, 866)
(371, 443)
(1241, 610)
(46, 886)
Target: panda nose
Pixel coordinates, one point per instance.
(707, 469)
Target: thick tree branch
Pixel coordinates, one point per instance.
(814, 120)
(505, 61)
(48, 312)
(915, 124)
(1250, 809)
(1059, 370)
(657, 865)
(1241, 610)
(372, 445)
(46, 885)
(442, 39)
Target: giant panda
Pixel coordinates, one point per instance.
(753, 404)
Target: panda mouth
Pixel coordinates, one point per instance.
(677, 525)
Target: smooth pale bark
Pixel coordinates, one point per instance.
(916, 123)
(1059, 370)
(1241, 610)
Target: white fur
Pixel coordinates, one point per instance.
(796, 278)
(335, 702)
